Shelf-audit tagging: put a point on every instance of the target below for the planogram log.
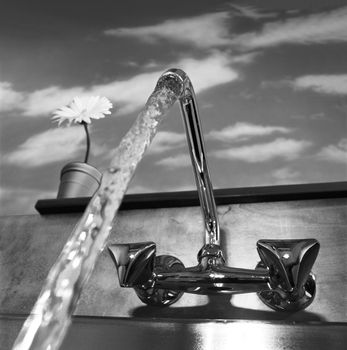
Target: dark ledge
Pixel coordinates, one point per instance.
(190, 198)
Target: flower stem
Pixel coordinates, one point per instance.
(88, 141)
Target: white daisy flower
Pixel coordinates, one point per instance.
(83, 109)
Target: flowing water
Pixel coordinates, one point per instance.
(50, 318)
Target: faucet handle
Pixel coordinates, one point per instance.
(134, 262)
(289, 263)
(139, 267)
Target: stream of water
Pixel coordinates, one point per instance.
(50, 318)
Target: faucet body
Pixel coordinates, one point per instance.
(282, 279)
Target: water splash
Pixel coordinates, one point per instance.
(50, 318)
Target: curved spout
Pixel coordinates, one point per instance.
(179, 82)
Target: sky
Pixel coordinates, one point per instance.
(270, 78)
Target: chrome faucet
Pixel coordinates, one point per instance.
(282, 279)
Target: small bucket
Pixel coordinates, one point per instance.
(78, 180)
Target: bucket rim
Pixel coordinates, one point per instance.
(82, 167)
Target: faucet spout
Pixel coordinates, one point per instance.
(179, 81)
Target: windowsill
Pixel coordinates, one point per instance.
(190, 198)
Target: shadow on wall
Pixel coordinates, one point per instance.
(220, 307)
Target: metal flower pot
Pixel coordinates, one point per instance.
(78, 180)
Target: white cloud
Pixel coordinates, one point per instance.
(285, 175)
(178, 161)
(212, 30)
(209, 30)
(165, 141)
(245, 58)
(128, 95)
(160, 188)
(47, 100)
(316, 28)
(288, 149)
(335, 153)
(140, 189)
(326, 84)
(9, 98)
(181, 187)
(250, 12)
(210, 72)
(48, 147)
(243, 131)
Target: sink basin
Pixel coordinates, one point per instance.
(90, 333)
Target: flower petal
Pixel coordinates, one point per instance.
(83, 109)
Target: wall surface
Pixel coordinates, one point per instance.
(29, 246)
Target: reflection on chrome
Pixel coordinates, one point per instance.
(283, 278)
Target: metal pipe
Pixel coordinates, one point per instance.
(192, 123)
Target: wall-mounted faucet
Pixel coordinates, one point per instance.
(282, 279)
